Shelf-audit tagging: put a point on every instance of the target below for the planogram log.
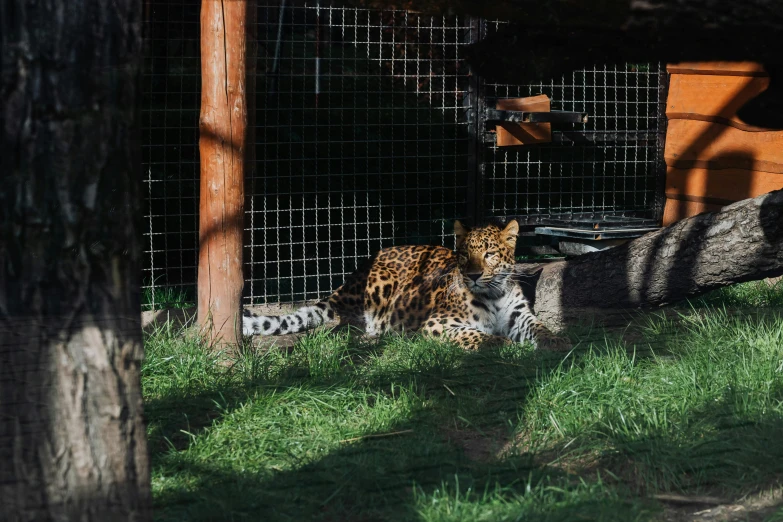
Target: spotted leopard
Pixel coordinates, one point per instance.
(470, 296)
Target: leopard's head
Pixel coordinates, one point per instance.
(485, 255)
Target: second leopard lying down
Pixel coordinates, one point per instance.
(469, 297)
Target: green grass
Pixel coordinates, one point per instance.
(411, 429)
(754, 294)
(163, 297)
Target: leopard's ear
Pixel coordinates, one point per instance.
(511, 232)
(460, 232)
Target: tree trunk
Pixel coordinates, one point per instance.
(72, 438)
(741, 242)
(225, 143)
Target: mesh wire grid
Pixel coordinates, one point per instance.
(170, 159)
(362, 142)
(616, 178)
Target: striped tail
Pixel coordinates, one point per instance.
(303, 319)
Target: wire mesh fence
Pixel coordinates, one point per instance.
(170, 159)
(615, 172)
(362, 141)
(361, 144)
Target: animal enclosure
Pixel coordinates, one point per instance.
(370, 131)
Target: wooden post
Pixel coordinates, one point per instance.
(225, 141)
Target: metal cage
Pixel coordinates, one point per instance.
(364, 140)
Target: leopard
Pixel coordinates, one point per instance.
(470, 296)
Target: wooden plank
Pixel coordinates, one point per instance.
(676, 210)
(702, 144)
(720, 186)
(509, 134)
(719, 68)
(713, 98)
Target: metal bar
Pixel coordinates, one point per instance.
(659, 201)
(604, 137)
(276, 58)
(474, 103)
(640, 137)
(594, 226)
(496, 115)
(585, 221)
(317, 51)
(596, 235)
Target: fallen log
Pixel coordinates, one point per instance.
(741, 242)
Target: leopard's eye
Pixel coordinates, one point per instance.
(489, 255)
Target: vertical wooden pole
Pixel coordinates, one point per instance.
(225, 127)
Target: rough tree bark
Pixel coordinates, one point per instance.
(72, 437)
(225, 144)
(741, 242)
(548, 39)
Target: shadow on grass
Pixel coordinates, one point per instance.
(205, 392)
(741, 455)
(409, 470)
(463, 410)
(451, 454)
(391, 478)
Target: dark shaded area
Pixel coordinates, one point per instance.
(454, 441)
(364, 141)
(358, 147)
(547, 39)
(370, 478)
(771, 219)
(549, 51)
(542, 52)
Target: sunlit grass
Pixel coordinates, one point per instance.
(339, 428)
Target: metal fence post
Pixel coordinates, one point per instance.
(474, 104)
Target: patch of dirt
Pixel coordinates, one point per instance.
(676, 507)
(752, 509)
(478, 446)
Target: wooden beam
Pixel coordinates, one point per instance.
(720, 185)
(719, 68)
(691, 143)
(224, 143)
(713, 98)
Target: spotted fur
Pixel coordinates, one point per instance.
(469, 296)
